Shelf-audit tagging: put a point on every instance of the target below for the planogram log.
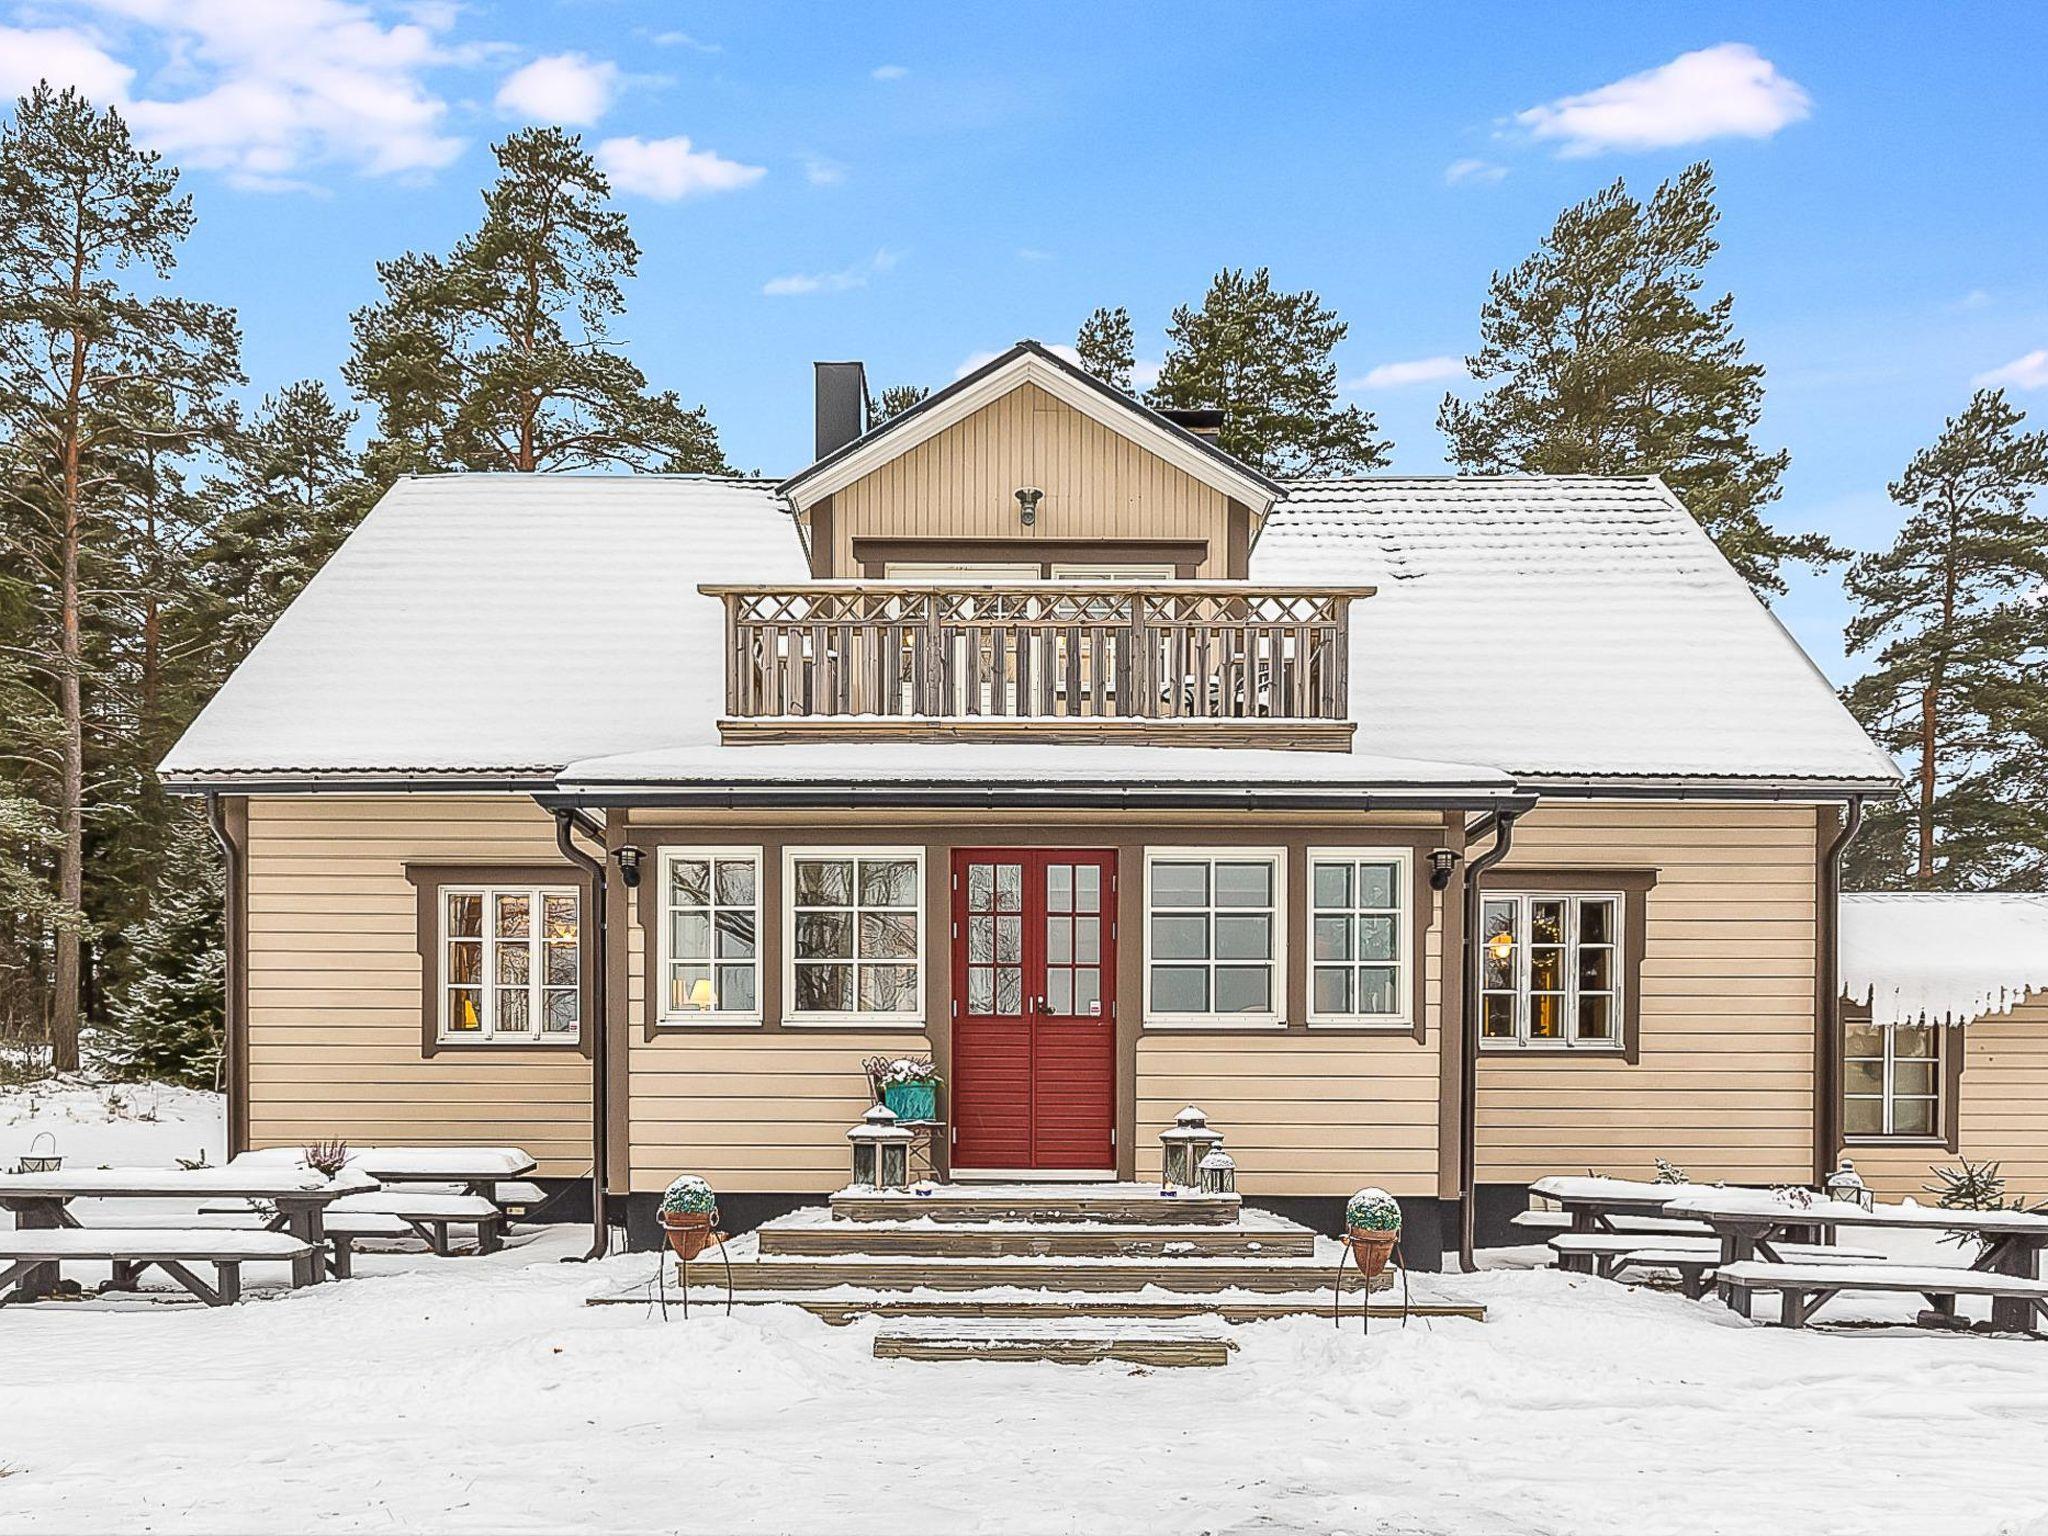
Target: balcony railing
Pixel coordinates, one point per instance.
(1213, 662)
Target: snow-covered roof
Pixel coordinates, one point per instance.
(1561, 626)
(501, 623)
(1580, 630)
(1943, 956)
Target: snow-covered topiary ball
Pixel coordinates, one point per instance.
(688, 1194)
(1373, 1209)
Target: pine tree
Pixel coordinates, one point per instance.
(1264, 359)
(291, 491)
(501, 357)
(1108, 347)
(96, 380)
(168, 1023)
(1960, 682)
(1600, 359)
(893, 401)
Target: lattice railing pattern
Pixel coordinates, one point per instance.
(1052, 650)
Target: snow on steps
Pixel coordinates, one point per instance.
(843, 1307)
(1140, 1204)
(1021, 1239)
(1079, 1341)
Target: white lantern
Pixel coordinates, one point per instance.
(1218, 1173)
(881, 1150)
(1846, 1185)
(1182, 1146)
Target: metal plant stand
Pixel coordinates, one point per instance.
(683, 1277)
(1365, 1306)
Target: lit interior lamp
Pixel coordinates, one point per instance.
(700, 994)
(1502, 947)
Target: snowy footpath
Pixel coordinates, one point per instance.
(483, 1395)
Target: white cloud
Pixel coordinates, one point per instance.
(797, 284)
(888, 72)
(63, 57)
(274, 88)
(668, 169)
(1976, 298)
(821, 171)
(1421, 370)
(561, 88)
(2029, 372)
(1727, 91)
(684, 40)
(1479, 172)
(1145, 372)
(1033, 253)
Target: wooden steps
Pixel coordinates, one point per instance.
(1080, 1342)
(1018, 1239)
(871, 1272)
(839, 1310)
(1135, 1204)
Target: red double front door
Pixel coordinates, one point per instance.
(1034, 1009)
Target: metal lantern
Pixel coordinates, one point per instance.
(1846, 1185)
(1182, 1146)
(1218, 1173)
(881, 1150)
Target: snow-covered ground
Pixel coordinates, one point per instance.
(482, 1394)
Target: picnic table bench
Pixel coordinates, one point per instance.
(31, 1253)
(430, 1214)
(1692, 1256)
(298, 1199)
(1803, 1287)
(1753, 1224)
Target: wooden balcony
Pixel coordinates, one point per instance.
(1189, 663)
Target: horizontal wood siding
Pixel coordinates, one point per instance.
(1305, 1111)
(1725, 1084)
(962, 484)
(335, 1004)
(2003, 1112)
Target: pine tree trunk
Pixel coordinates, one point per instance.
(1924, 870)
(71, 791)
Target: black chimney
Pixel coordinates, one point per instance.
(842, 405)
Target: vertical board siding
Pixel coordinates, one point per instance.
(1725, 1084)
(335, 984)
(962, 484)
(1306, 1112)
(2002, 1113)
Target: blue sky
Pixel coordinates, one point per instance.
(914, 184)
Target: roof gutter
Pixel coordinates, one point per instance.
(234, 1026)
(1827, 1066)
(1468, 1030)
(1708, 788)
(726, 796)
(568, 822)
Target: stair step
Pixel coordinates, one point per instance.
(1140, 1204)
(837, 1308)
(1067, 1343)
(1268, 1239)
(872, 1272)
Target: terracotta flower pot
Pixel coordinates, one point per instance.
(689, 1232)
(1371, 1248)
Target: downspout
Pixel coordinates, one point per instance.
(233, 1025)
(567, 822)
(1468, 1028)
(1828, 1026)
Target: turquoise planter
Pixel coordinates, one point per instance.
(912, 1101)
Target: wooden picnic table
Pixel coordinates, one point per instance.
(300, 1197)
(1750, 1222)
(479, 1170)
(1593, 1202)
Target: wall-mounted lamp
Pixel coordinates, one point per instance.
(1027, 503)
(1442, 861)
(629, 858)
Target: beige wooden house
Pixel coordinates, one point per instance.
(1430, 833)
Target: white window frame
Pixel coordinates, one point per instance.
(1082, 571)
(854, 1018)
(1888, 1095)
(487, 985)
(1403, 910)
(1616, 1044)
(713, 1018)
(1273, 1018)
(961, 573)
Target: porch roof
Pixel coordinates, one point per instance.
(1024, 774)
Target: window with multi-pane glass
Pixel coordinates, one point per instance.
(1357, 937)
(513, 969)
(854, 941)
(1550, 970)
(713, 959)
(1212, 938)
(1891, 1080)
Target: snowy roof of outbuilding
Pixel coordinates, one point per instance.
(1577, 630)
(1943, 956)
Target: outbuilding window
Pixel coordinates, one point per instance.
(511, 966)
(1891, 1081)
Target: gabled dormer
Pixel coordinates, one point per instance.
(1030, 554)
